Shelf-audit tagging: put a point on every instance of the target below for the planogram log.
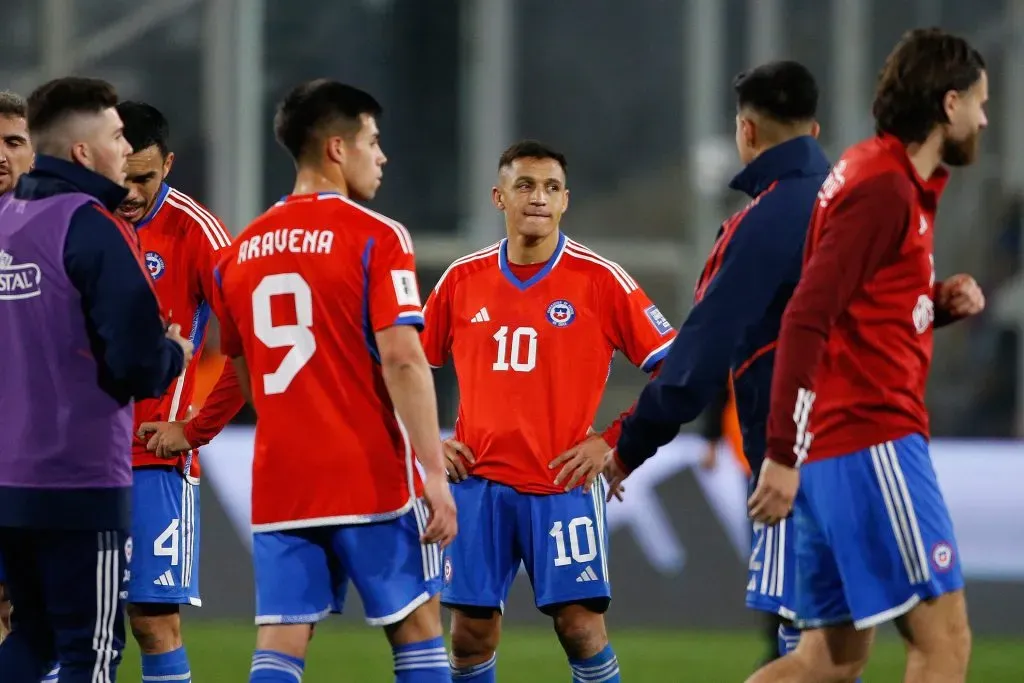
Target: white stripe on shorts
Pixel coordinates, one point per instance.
(900, 508)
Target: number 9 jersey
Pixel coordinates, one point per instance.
(533, 355)
(301, 293)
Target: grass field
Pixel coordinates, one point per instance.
(220, 654)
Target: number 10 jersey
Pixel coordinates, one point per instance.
(301, 293)
(532, 357)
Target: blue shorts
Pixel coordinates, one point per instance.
(771, 580)
(302, 575)
(874, 537)
(3, 572)
(164, 562)
(562, 539)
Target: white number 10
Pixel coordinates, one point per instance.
(576, 553)
(512, 358)
(299, 337)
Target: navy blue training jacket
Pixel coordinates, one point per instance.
(134, 360)
(741, 295)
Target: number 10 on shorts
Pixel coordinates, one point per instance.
(582, 541)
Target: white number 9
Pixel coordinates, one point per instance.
(299, 337)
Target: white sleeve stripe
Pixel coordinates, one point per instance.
(215, 225)
(627, 282)
(202, 222)
(584, 250)
(655, 352)
(475, 256)
(404, 238)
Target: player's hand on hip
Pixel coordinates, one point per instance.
(580, 464)
(961, 296)
(457, 456)
(167, 440)
(174, 334)
(772, 500)
(614, 475)
(444, 521)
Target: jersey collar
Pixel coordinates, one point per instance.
(540, 275)
(931, 188)
(161, 196)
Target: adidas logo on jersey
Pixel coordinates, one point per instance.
(481, 316)
(586, 575)
(166, 579)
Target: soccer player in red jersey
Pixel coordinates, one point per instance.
(320, 312)
(874, 538)
(531, 324)
(182, 241)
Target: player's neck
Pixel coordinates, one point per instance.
(310, 180)
(525, 251)
(926, 156)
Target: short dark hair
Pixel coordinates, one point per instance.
(317, 107)
(924, 66)
(12, 104)
(52, 102)
(531, 149)
(144, 126)
(784, 91)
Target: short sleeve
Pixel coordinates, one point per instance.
(208, 242)
(230, 339)
(394, 292)
(635, 326)
(437, 325)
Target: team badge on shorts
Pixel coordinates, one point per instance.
(155, 264)
(561, 313)
(447, 570)
(942, 556)
(128, 550)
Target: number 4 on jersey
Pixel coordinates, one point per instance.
(298, 338)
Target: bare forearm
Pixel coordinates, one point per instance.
(411, 387)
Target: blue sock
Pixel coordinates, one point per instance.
(425, 662)
(485, 672)
(789, 636)
(52, 676)
(601, 668)
(169, 666)
(274, 667)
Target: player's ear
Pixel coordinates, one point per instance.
(565, 204)
(496, 198)
(815, 130)
(168, 163)
(334, 149)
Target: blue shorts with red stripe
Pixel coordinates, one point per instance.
(873, 536)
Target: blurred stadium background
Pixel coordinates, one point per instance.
(637, 94)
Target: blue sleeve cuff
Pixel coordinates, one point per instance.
(411, 318)
(656, 357)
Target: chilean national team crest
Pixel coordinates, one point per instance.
(942, 556)
(447, 570)
(561, 313)
(155, 264)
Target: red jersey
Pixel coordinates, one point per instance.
(181, 240)
(856, 339)
(532, 357)
(302, 292)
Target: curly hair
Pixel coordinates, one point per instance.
(924, 66)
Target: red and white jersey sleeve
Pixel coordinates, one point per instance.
(633, 323)
(437, 325)
(394, 292)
